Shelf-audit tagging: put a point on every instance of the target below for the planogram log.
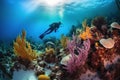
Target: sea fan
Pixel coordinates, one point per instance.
(76, 61)
(23, 49)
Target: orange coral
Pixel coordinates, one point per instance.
(87, 33)
(43, 77)
(23, 49)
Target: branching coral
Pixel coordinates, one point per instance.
(23, 49)
(86, 34)
(77, 61)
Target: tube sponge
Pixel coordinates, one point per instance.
(23, 49)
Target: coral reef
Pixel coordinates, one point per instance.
(23, 49)
(89, 54)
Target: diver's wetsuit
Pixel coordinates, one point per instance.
(53, 27)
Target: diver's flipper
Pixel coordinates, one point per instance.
(41, 36)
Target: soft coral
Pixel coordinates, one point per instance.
(76, 61)
(23, 49)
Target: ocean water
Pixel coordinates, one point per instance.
(35, 16)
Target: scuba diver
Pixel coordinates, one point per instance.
(53, 27)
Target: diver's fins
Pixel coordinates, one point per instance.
(41, 36)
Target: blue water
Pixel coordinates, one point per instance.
(35, 15)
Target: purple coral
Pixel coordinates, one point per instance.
(76, 61)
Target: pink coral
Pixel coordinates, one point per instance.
(77, 60)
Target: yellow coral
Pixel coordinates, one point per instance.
(87, 33)
(49, 50)
(43, 77)
(63, 41)
(84, 24)
(23, 49)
